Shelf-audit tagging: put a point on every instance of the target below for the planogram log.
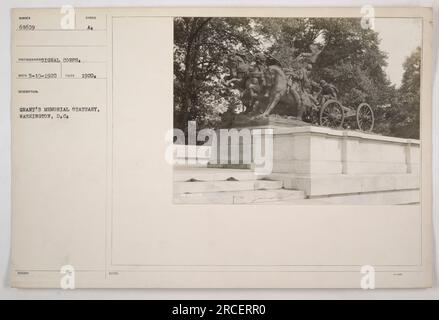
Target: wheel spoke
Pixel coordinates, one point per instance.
(332, 115)
(365, 117)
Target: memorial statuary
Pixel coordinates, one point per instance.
(263, 87)
(324, 148)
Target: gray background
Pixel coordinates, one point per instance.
(5, 164)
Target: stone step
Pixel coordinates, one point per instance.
(240, 197)
(240, 166)
(218, 186)
(205, 174)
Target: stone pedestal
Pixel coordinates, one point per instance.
(323, 161)
(344, 164)
(338, 166)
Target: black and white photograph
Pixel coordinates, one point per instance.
(297, 110)
(196, 148)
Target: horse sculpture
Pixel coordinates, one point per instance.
(265, 84)
(262, 86)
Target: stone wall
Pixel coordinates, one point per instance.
(338, 166)
(326, 162)
(316, 150)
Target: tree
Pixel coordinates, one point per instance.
(350, 59)
(201, 46)
(405, 113)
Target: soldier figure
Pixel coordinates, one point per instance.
(260, 71)
(307, 85)
(327, 91)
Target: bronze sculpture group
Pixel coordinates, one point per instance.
(264, 84)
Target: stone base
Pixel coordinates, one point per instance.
(346, 165)
(336, 184)
(228, 186)
(241, 197)
(240, 166)
(384, 189)
(246, 121)
(396, 197)
(334, 166)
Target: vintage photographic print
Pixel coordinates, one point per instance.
(221, 148)
(297, 110)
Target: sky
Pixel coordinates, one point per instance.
(399, 38)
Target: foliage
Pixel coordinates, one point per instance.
(201, 46)
(405, 113)
(350, 57)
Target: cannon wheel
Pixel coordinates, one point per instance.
(332, 114)
(365, 117)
